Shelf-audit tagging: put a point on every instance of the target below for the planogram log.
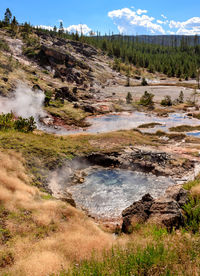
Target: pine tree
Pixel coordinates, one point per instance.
(61, 28)
(144, 82)
(76, 36)
(129, 98)
(7, 17)
(181, 97)
(14, 24)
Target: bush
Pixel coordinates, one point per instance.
(4, 46)
(144, 82)
(30, 52)
(181, 97)
(129, 98)
(147, 99)
(7, 121)
(192, 215)
(167, 101)
(25, 125)
(48, 95)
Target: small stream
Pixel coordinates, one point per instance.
(107, 192)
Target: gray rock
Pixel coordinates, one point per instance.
(138, 212)
(166, 211)
(179, 194)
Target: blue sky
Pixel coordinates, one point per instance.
(124, 16)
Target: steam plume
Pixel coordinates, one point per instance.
(25, 103)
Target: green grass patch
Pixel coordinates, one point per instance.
(192, 215)
(68, 114)
(150, 260)
(188, 186)
(150, 125)
(184, 128)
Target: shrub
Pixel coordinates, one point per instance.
(129, 98)
(147, 99)
(4, 46)
(25, 125)
(144, 82)
(7, 121)
(48, 95)
(192, 215)
(167, 101)
(181, 97)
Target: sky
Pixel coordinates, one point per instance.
(154, 17)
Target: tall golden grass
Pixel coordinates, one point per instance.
(46, 235)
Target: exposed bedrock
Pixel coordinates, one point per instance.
(149, 161)
(165, 210)
(66, 66)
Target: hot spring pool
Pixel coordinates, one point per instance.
(107, 192)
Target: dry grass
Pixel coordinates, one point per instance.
(195, 191)
(45, 236)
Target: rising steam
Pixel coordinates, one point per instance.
(25, 103)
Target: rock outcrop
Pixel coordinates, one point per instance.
(138, 212)
(165, 210)
(64, 93)
(148, 161)
(66, 66)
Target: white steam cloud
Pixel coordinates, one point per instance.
(25, 103)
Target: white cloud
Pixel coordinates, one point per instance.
(78, 28)
(45, 27)
(139, 11)
(162, 22)
(130, 22)
(163, 16)
(71, 29)
(188, 27)
(174, 24)
(171, 33)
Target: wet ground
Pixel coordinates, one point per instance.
(127, 121)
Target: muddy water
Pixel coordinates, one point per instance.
(106, 193)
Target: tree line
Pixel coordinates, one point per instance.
(181, 58)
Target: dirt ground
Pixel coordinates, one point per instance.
(120, 92)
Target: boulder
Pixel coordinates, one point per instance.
(167, 212)
(89, 108)
(65, 93)
(179, 194)
(67, 197)
(51, 56)
(48, 121)
(36, 87)
(138, 212)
